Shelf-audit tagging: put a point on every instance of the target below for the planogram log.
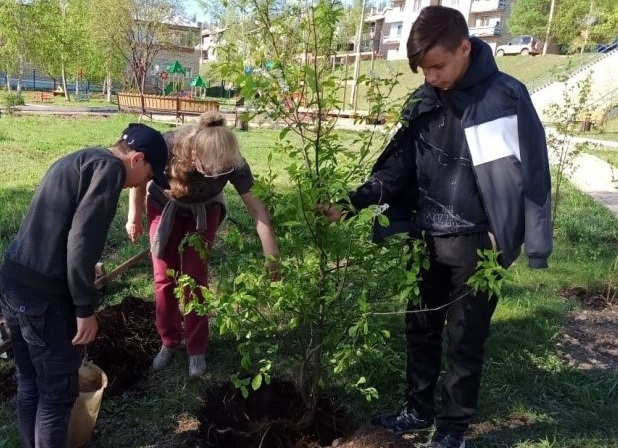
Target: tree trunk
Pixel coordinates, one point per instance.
(108, 81)
(64, 83)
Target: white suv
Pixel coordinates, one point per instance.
(520, 45)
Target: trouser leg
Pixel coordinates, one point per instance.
(42, 327)
(169, 319)
(27, 390)
(196, 326)
(467, 328)
(424, 341)
(467, 331)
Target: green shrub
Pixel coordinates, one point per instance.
(13, 99)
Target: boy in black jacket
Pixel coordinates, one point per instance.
(469, 170)
(47, 291)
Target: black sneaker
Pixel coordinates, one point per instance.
(445, 440)
(408, 420)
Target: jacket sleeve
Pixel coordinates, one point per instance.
(536, 182)
(99, 191)
(392, 173)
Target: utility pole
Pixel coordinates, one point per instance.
(551, 16)
(354, 91)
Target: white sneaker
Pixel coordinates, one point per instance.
(197, 365)
(163, 358)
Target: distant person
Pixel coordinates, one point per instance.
(467, 171)
(47, 291)
(203, 159)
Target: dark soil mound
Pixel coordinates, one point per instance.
(274, 416)
(126, 343)
(124, 347)
(8, 385)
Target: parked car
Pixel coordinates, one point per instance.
(610, 46)
(520, 45)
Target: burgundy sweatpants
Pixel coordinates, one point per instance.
(169, 318)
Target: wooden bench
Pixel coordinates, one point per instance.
(166, 105)
(596, 118)
(42, 97)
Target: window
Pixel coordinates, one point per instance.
(417, 5)
(484, 21)
(398, 28)
(454, 2)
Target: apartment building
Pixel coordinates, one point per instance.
(211, 37)
(390, 27)
(181, 38)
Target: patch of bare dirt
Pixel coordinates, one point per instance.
(126, 343)
(124, 347)
(374, 437)
(274, 416)
(589, 334)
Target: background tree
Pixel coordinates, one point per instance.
(571, 22)
(605, 29)
(141, 38)
(106, 61)
(15, 17)
(60, 38)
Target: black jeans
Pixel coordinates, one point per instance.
(41, 328)
(452, 261)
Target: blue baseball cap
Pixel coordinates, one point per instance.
(150, 142)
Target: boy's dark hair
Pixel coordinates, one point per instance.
(123, 146)
(436, 25)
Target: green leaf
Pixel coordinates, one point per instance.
(256, 382)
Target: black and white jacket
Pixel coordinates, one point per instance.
(507, 146)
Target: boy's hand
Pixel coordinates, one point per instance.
(330, 211)
(134, 230)
(87, 328)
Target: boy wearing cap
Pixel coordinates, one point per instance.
(47, 291)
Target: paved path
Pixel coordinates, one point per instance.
(594, 176)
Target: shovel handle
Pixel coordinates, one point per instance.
(121, 269)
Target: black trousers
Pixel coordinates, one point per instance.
(453, 260)
(42, 326)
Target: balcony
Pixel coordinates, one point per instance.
(486, 31)
(398, 5)
(388, 39)
(487, 6)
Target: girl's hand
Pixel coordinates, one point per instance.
(134, 230)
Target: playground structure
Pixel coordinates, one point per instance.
(82, 87)
(198, 87)
(175, 84)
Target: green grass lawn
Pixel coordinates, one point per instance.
(530, 396)
(531, 70)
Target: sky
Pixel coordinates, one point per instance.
(191, 7)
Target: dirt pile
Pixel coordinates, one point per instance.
(126, 343)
